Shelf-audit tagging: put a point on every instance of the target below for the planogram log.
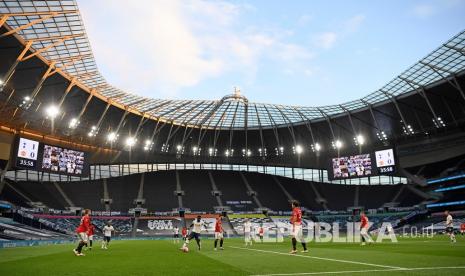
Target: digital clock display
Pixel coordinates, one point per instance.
(27, 153)
(385, 161)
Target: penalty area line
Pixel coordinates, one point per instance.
(318, 258)
(364, 271)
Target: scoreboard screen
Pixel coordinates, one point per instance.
(379, 162)
(33, 155)
(385, 161)
(61, 160)
(352, 166)
(27, 153)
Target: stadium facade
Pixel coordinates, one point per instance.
(150, 153)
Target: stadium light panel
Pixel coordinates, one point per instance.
(337, 144)
(148, 145)
(359, 140)
(112, 136)
(73, 123)
(93, 131)
(382, 136)
(316, 147)
(52, 111)
(299, 149)
(1, 82)
(212, 152)
(438, 123)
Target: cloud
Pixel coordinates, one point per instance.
(158, 47)
(325, 40)
(423, 10)
(354, 23)
(304, 19)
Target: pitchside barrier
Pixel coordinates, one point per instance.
(10, 244)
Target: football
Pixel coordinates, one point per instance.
(185, 249)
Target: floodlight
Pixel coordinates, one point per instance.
(52, 111)
(73, 123)
(299, 149)
(360, 139)
(317, 147)
(130, 141)
(112, 136)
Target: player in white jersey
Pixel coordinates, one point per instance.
(450, 226)
(107, 231)
(247, 232)
(176, 234)
(197, 225)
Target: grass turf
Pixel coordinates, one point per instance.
(162, 257)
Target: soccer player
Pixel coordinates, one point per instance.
(247, 232)
(296, 230)
(261, 232)
(107, 231)
(184, 233)
(90, 236)
(197, 225)
(82, 231)
(462, 228)
(364, 225)
(176, 234)
(219, 232)
(450, 226)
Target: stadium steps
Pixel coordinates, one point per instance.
(178, 190)
(422, 194)
(288, 195)
(134, 227)
(319, 199)
(139, 200)
(250, 191)
(63, 194)
(106, 195)
(214, 189)
(356, 196)
(447, 171)
(420, 181)
(229, 225)
(397, 195)
(26, 198)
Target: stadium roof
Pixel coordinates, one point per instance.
(57, 33)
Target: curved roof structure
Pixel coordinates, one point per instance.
(57, 33)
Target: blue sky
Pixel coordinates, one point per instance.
(285, 52)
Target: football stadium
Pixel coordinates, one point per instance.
(232, 137)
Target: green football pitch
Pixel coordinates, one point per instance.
(419, 256)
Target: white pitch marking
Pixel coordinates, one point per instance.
(319, 258)
(364, 271)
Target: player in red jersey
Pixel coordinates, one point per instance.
(82, 231)
(261, 232)
(462, 228)
(90, 235)
(219, 232)
(296, 230)
(184, 233)
(364, 225)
